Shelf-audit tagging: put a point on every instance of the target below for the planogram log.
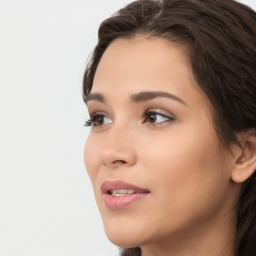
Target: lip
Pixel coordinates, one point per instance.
(121, 202)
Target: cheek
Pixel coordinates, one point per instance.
(185, 151)
(187, 174)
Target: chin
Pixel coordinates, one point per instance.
(123, 240)
(124, 235)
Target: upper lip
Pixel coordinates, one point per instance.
(109, 185)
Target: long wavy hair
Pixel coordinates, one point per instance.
(220, 36)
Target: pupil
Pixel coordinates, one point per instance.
(152, 118)
(99, 120)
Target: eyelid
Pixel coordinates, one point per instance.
(95, 113)
(162, 112)
(96, 116)
(156, 117)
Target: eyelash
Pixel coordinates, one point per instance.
(148, 114)
(95, 118)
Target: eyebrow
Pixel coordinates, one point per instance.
(145, 96)
(138, 97)
(94, 96)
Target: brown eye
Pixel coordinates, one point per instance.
(156, 118)
(98, 120)
(151, 118)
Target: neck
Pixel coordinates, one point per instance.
(215, 238)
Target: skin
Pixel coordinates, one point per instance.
(191, 208)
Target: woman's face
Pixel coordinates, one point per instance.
(152, 137)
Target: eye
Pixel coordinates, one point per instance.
(155, 118)
(98, 120)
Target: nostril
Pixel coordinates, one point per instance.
(119, 162)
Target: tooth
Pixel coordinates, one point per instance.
(122, 192)
(130, 191)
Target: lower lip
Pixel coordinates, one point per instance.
(120, 202)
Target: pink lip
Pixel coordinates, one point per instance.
(120, 202)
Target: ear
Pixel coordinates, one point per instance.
(245, 164)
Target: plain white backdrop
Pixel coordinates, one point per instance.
(47, 206)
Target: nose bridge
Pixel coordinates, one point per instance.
(117, 148)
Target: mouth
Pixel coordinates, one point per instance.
(119, 194)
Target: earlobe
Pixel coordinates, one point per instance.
(245, 164)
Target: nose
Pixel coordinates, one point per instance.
(118, 149)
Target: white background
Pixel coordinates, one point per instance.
(47, 206)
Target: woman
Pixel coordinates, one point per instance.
(171, 89)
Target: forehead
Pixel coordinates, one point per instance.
(140, 64)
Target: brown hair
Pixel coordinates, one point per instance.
(221, 38)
